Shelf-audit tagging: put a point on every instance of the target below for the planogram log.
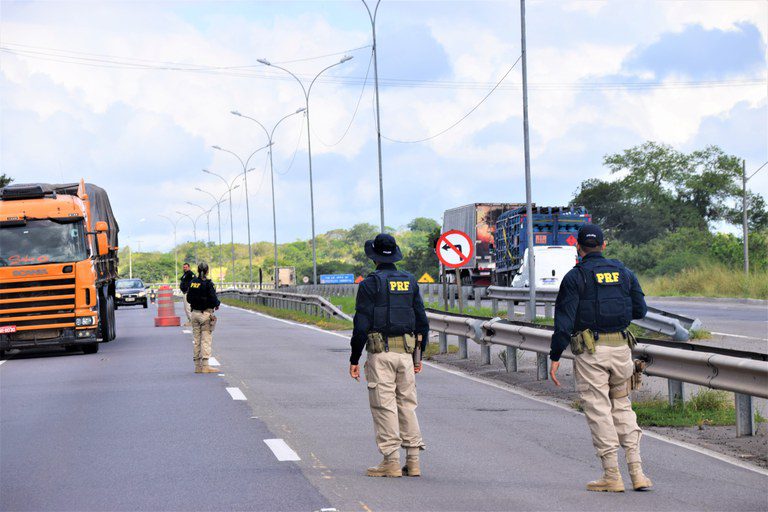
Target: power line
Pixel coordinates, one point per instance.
(296, 150)
(758, 170)
(465, 115)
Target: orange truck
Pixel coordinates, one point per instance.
(58, 265)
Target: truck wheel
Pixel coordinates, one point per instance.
(111, 306)
(2, 354)
(91, 348)
(106, 315)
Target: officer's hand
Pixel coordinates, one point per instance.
(354, 371)
(553, 371)
(417, 367)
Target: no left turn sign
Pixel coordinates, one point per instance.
(454, 248)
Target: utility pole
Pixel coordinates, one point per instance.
(528, 205)
(745, 226)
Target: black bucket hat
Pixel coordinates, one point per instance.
(383, 249)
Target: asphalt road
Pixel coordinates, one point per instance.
(132, 428)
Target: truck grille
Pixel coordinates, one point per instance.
(39, 304)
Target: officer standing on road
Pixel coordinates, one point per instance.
(186, 278)
(390, 321)
(203, 301)
(597, 301)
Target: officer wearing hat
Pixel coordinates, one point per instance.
(389, 322)
(597, 301)
(203, 302)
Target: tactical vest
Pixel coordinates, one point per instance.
(605, 304)
(393, 302)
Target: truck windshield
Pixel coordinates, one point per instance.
(42, 241)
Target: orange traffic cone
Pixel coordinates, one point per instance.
(166, 316)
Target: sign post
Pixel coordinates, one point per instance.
(454, 249)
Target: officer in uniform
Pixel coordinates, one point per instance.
(389, 322)
(203, 301)
(597, 301)
(186, 278)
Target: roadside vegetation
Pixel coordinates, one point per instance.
(329, 324)
(706, 408)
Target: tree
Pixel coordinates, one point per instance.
(5, 180)
(423, 225)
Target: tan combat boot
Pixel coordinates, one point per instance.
(411, 467)
(640, 482)
(198, 367)
(207, 369)
(610, 482)
(387, 468)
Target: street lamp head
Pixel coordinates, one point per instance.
(235, 113)
(207, 171)
(264, 61)
(345, 59)
(302, 109)
(216, 147)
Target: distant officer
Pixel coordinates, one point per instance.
(203, 301)
(597, 301)
(186, 278)
(389, 321)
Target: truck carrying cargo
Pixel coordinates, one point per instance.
(478, 220)
(552, 227)
(58, 265)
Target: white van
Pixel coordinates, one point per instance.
(552, 263)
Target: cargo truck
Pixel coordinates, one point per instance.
(58, 265)
(478, 220)
(554, 238)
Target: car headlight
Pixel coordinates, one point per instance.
(84, 320)
(117, 295)
(142, 294)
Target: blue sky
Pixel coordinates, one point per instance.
(82, 93)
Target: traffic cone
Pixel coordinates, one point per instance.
(166, 316)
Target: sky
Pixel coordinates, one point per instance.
(133, 95)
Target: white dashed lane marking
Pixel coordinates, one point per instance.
(236, 394)
(282, 451)
(187, 331)
(2, 361)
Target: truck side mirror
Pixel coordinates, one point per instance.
(101, 226)
(102, 246)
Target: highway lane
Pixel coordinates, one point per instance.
(488, 448)
(133, 428)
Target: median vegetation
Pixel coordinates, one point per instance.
(707, 408)
(329, 324)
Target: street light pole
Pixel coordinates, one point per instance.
(207, 214)
(194, 230)
(270, 136)
(307, 91)
(230, 188)
(218, 215)
(372, 17)
(528, 198)
(175, 254)
(744, 204)
(247, 207)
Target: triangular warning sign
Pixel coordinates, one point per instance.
(426, 278)
(359, 279)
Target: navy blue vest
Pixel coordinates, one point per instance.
(605, 303)
(393, 302)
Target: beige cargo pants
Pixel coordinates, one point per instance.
(612, 422)
(202, 334)
(187, 308)
(392, 397)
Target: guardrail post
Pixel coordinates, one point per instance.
(511, 359)
(443, 342)
(451, 296)
(510, 310)
(494, 307)
(542, 371)
(485, 354)
(675, 388)
(745, 415)
(548, 310)
(463, 353)
(478, 297)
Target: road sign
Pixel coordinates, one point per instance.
(305, 279)
(454, 248)
(337, 279)
(426, 278)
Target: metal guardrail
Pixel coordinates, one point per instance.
(309, 304)
(744, 376)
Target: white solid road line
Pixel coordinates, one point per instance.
(2, 361)
(698, 449)
(739, 336)
(282, 451)
(213, 362)
(236, 394)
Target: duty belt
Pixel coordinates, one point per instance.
(611, 339)
(396, 344)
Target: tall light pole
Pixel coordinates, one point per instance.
(175, 254)
(247, 207)
(307, 91)
(528, 205)
(194, 229)
(270, 135)
(230, 188)
(744, 203)
(372, 17)
(207, 213)
(218, 215)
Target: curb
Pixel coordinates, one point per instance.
(722, 300)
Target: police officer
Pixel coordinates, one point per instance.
(203, 301)
(597, 301)
(186, 278)
(389, 321)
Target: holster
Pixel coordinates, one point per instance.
(637, 376)
(631, 339)
(375, 343)
(417, 352)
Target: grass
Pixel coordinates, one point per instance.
(710, 281)
(708, 407)
(329, 324)
(346, 304)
